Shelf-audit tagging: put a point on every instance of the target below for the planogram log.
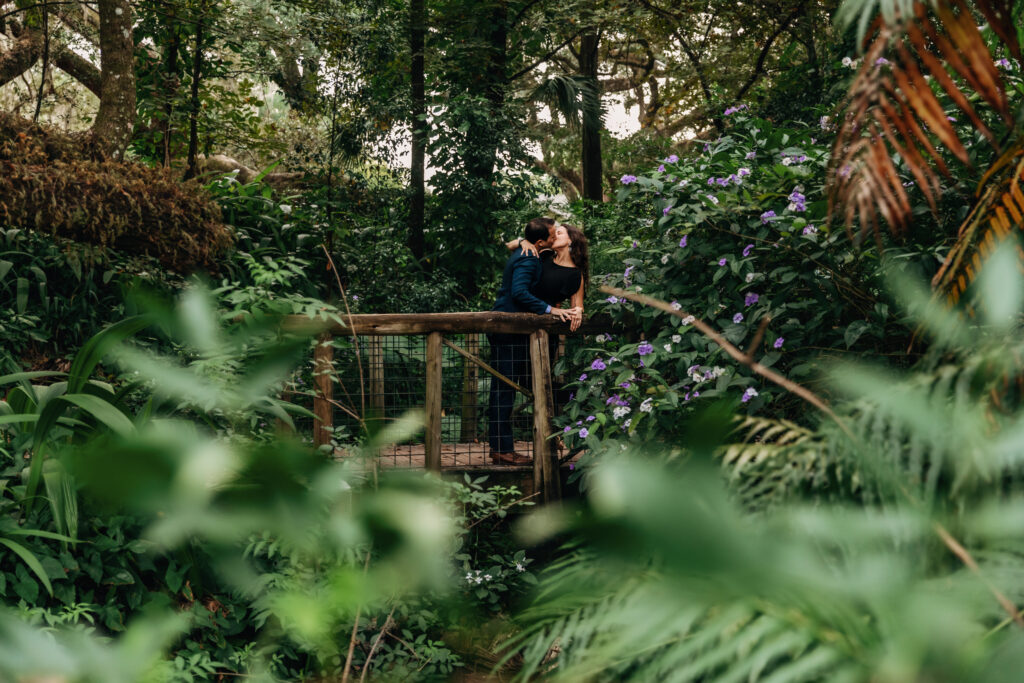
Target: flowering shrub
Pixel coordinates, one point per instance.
(734, 234)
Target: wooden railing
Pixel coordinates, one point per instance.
(434, 326)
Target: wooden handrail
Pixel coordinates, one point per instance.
(489, 322)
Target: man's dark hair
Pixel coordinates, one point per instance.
(538, 229)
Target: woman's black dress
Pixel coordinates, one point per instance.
(557, 283)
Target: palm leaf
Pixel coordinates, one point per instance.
(998, 210)
(913, 54)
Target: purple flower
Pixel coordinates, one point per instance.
(738, 318)
(612, 399)
(664, 212)
(625, 385)
(747, 249)
(750, 299)
(583, 377)
(748, 394)
(880, 61)
(810, 230)
(612, 299)
(722, 261)
(682, 242)
(584, 433)
(590, 418)
(778, 343)
(567, 429)
(1004, 63)
(766, 216)
(724, 182)
(707, 146)
(712, 180)
(625, 275)
(627, 179)
(743, 172)
(750, 155)
(644, 349)
(635, 244)
(951, 118)
(598, 364)
(661, 169)
(355, 297)
(671, 159)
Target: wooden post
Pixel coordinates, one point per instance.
(375, 360)
(323, 380)
(432, 438)
(545, 466)
(470, 373)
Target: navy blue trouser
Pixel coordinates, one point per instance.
(510, 355)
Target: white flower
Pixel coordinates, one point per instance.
(647, 406)
(750, 277)
(788, 161)
(520, 567)
(600, 339)
(676, 338)
(847, 62)
(286, 209)
(676, 305)
(664, 259)
(688, 320)
(620, 412)
(487, 577)
(625, 425)
(713, 198)
(717, 371)
(668, 347)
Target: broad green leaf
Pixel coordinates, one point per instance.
(99, 345)
(31, 560)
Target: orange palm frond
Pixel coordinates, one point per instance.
(893, 111)
(998, 210)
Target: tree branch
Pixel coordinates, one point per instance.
(766, 48)
(549, 55)
(79, 68)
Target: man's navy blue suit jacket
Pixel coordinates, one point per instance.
(521, 275)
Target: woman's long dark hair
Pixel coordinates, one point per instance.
(579, 251)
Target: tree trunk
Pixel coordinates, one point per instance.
(193, 117)
(592, 175)
(112, 130)
(171, 81)
(417, 187)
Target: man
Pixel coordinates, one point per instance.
(510, 352)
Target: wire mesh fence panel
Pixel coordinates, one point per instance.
(383, 377)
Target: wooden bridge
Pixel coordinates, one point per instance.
(435, 361)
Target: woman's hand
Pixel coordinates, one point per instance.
(576, 318)
(528, 248)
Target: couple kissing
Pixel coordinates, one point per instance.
(549, 265)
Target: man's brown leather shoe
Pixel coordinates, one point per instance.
(510, 459)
